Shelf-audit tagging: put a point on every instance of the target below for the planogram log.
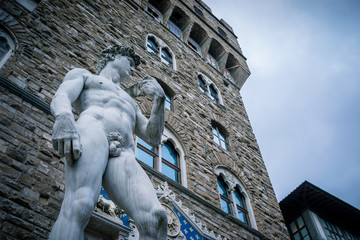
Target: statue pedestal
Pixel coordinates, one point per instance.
(101, 227)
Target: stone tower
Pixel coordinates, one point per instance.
(208, 171)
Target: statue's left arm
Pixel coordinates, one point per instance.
(151, 130)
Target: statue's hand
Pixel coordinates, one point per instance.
(65, 138)
(150, 88)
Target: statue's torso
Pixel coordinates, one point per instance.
(108, 103)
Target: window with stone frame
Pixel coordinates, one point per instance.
(157, 47)
(165, 158)
(237, 208)
(7, 46)
(298, 230)
(154, 12)
(208, 88)
(175, 29)
(152, 46)
(219, 137)
(233, 197)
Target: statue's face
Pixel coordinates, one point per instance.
(125, 66)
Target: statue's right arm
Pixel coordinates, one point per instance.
(65, 136)
(68, 91)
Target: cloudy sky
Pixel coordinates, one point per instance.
(303, 96)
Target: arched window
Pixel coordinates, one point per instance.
(167, 158)
(237, 208)
(202, 85)
(213, 94)
(151, 46)
(207, 87)
(158, 47)
(241, 206)
(7, 46)
(170, 161)
(166, 57)
(233, 198)
(220, 138)
(224, 196)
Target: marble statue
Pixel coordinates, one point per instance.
(99, 147)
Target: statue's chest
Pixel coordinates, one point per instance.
(100, 89)
(96, 82)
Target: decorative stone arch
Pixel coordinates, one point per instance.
(218, 52)
(199, 35)
(209, 82)
(162, 45)
(163, 6)
(9, 45)
(16, 34)
(233, 68)
(233, 181)
(169, 135)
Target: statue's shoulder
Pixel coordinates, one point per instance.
(77, 73)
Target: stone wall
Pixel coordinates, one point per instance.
(60, 35)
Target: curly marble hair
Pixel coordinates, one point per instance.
(109, 54)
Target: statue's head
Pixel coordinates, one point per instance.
(109, 54)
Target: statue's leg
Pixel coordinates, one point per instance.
(82, 182)
(128, 186)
